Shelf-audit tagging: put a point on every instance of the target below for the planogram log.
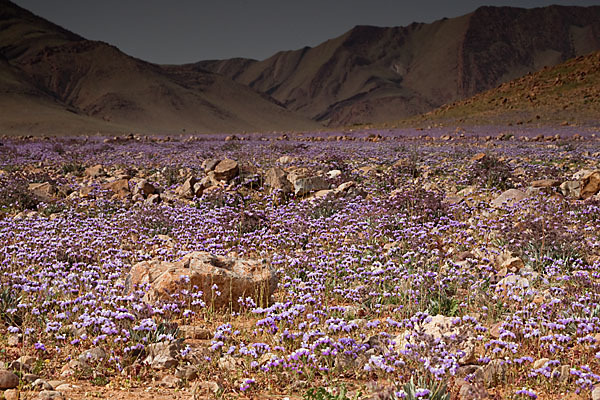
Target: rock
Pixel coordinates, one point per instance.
(41, 384)
(70, 368)
(478, 157)
(590, 184)
(210, 164)
(94, 171)
(275, 179)
(231, 138)
(119, 187)
(228, 363)
(152, 199)
(457, 336)
(234, 277)
(8, 380)
(145, 188)
(30, 378)
(509, 197)
(163, 355)
(13, 340)
(23, 363)
(64, 387)
(540, 363)
(195, 332)
(472, 391)
(50, 395)
(514, 281)
(188, 190)
(286, 160)
(512, 264)
(495, 330)
(571, 189)
(92, 356)
(596, 392)
(11, 394)
(226, 170)
(170, 381)
(201, 390)
(334, 173)
(305, 185)
(545, 183)
(493, 372)
(187, 372)
(44, 191)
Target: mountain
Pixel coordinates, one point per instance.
(55, 81)
(566, 93)
(372, 74)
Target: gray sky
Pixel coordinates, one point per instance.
(181, 31)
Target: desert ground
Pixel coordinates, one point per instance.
(384, 264)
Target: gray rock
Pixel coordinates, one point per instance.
(571, 189)
(8, 380)
(187, 190)
(41, 384)
(210, 164)
(305, 185)
(50, 395)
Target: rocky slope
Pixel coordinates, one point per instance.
(372, 74)
(54, 81)
(566, 93)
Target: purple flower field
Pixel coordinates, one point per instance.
(414, 273)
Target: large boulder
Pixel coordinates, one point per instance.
(234, 277)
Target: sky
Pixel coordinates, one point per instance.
(184, 31)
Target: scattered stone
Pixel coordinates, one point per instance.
(473, 391)
(201, 389)
(571, 189)
(188, 190)
(276, 179)
(11, 394)
(306, 185)
(286, 160)
(493, 372)
(228, 363)
(65, 387)
(50, 395)
(163, 355)
(8, 380)
(459, 338)
(187, 372)
(41, 384)
(153, 199)
(95, 171)
(170, 381)
(514, 281)
(119, 187)
(561, 373)
(92, 356)
(195, 332)
(334, 173)
(596, 392)
(226, 170)
(590, 184)
(70, 368)
(210, 164)
(509, 197)
(234, 277)
(44, 191)
(540, 363)
(13, 340)
(545, 183)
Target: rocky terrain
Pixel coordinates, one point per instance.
(568, 93)
(348, 265)
(374, 75)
